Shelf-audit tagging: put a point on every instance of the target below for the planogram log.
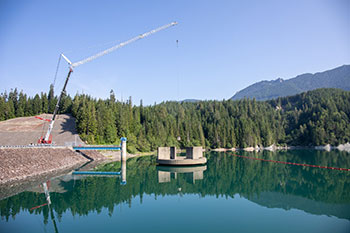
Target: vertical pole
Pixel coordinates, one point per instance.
(123, 147)
(123, 173)
(123, 160)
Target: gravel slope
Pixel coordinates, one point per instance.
(22, 163)
(27, 130)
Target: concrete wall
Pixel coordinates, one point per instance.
(163, 152)
(194, 152)
(193, 176)
(198, 175)
(163, 177)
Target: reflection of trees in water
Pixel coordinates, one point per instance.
(225, 176)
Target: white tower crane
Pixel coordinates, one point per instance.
(47, 138)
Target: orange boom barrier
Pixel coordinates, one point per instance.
(296, 164)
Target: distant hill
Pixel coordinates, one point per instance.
(265, 90)
(189, 101)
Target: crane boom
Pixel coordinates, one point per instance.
(46, 139)
(100, 54)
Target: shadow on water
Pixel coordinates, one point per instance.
(313, 190)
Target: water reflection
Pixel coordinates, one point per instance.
(47, 195)
(45, 187)
(123, 172)
(193, 173)
(313, 190)
(85, 171)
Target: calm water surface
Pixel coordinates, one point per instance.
(229, 194)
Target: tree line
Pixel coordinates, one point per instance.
(316, 117)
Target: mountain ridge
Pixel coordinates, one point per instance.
(265, 90)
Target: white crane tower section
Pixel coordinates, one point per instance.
(46, 139)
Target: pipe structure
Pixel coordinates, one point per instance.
(95, 173)
(123, 160)
(123, 146)
(123, 173)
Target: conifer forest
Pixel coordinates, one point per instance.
(311, 118)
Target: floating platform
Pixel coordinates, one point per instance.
(167, 156)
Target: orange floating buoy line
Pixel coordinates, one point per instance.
(290, 163)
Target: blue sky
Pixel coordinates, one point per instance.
(224, 46)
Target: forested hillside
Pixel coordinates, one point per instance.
(313, 118)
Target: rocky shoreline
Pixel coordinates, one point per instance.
(273, 147)
(17, 164)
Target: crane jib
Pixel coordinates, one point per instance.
(46, 139)
(100, 54)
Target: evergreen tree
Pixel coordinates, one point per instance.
(52, 99)
(44, 102)
(3, 106)
(37, 105)
(22, 100)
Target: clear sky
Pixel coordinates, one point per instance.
(224, 46)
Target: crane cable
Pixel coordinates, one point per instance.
(177, 71)
(53, 84)
(58, 65)
(178, 85)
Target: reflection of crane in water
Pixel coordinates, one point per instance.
(48, 203)
(46, 185)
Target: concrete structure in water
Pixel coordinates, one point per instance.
(194, 152)
(167, 156)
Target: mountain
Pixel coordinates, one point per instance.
(265, 90)
(189, 101)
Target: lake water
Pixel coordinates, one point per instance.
(229, 194)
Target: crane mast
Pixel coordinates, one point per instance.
(47, 138)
